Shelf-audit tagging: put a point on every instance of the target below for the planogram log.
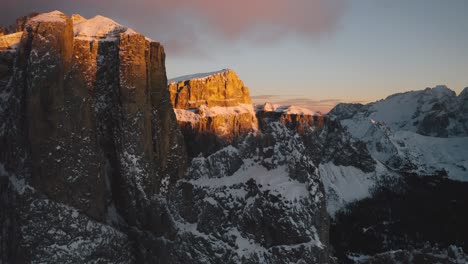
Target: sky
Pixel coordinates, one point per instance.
(313, 53)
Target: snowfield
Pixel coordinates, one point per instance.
(197, 76)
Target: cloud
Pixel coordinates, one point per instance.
(186, 24)
(323, 106)
(263, 98)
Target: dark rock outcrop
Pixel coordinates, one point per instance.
(325, 139)
(88, 139)
(413, 219)
(259, 201)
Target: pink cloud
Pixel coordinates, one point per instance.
(186, 24)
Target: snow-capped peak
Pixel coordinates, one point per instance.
(54, 16)
(440, 91)
(196, 76)
(97, 27)
(286, 109)
(76, 18)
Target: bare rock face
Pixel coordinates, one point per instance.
(260, 200)
(213, 110)
(221, 88)
(88, 135)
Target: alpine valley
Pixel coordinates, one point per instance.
(104, 160)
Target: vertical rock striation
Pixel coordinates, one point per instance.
(88, 133)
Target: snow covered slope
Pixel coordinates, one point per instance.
(423, 132)
(434, 111)
(98, 28)
(260, 201)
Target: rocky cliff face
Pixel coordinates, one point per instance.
(346, 167)
(213, 110)
(220, 88)
(88, 136)
(93, 162)
(256, 201)
(264, 192)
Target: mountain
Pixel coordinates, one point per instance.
(94, 165)
(250, 196)
(361, 187)
(436, 112)
(213, 109)
(413, 214)
(424, 132)
(89, 140)
(104, 160)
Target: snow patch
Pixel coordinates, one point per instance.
(286, 109)
(197, 76)
(194, 115)
(345, 184)
(432, 154)
(277, 181)
(99, 28)
(54, 16)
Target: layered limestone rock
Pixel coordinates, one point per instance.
(213, 110)
(221, 88)
(88, 136)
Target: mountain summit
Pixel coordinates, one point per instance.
(213, 109)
